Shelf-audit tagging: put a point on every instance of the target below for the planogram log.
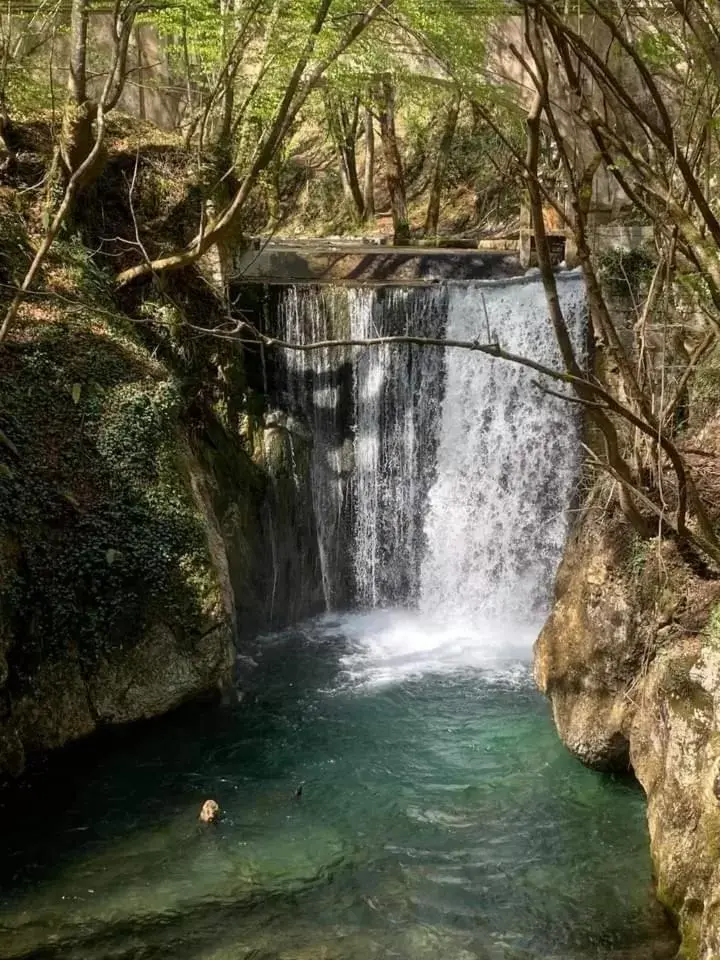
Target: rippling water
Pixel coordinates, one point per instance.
(440, 818)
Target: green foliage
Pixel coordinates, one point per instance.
(109, 535)
(90, 280)
(626, 272)
(26, 85)
(638, 555)
(15, 252)
(704, 391)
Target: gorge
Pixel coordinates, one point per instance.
(437, 626)
(437, 814)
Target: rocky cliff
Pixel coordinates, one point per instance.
(153, 513)
(630, 659)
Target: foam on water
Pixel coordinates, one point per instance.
(391, 645)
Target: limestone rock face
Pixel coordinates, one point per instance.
(157, 674)
(139, 545)
(258, 527)
(49, 700)
(589, 651)
(630, 660)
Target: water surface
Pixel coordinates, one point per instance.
(439, 818)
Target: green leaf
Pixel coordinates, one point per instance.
(70, 497)
(76, 391)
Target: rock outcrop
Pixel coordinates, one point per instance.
(630, 659)
(145, 531)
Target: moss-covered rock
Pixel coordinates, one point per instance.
(151, 515)
(111, 607)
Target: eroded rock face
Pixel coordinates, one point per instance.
(588, 651)
(257, 522)
(48, 701)
(630, 660)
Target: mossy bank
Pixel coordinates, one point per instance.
(149, 516)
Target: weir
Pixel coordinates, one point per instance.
(441, 478)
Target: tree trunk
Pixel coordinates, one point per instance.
(369, 184)
(394, 173)
(349, 122)
(77, 78)
(6, 154)
(343, 131)
(436, 182)
(77, 130)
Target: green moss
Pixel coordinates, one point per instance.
(689, 919)
(710, 827)
(96, 495)
(690, 931)
(711, 633)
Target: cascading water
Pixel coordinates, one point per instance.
(317, 383)
(398, 391)
(462, 467)
(507, 458)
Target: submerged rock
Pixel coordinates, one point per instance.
(173, 873)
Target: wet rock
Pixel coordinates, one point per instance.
(157, 674)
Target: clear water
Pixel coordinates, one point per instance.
(439, 818)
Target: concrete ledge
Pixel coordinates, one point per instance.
(621, 236)
(370, 264)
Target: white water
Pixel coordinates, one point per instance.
(463, 473)
(389, 645)
(507, 460)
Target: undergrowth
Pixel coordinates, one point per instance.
(101, 530)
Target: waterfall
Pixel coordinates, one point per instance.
(316, 383)
(507, 458)
(441, 478)
(397, 401)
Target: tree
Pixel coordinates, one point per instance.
(343, 123)
(441, 159)
(626, 106)
(22, 36)
(322, 43)
(83, 133)
(392, 157)
(369, 182)
(84, 113)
